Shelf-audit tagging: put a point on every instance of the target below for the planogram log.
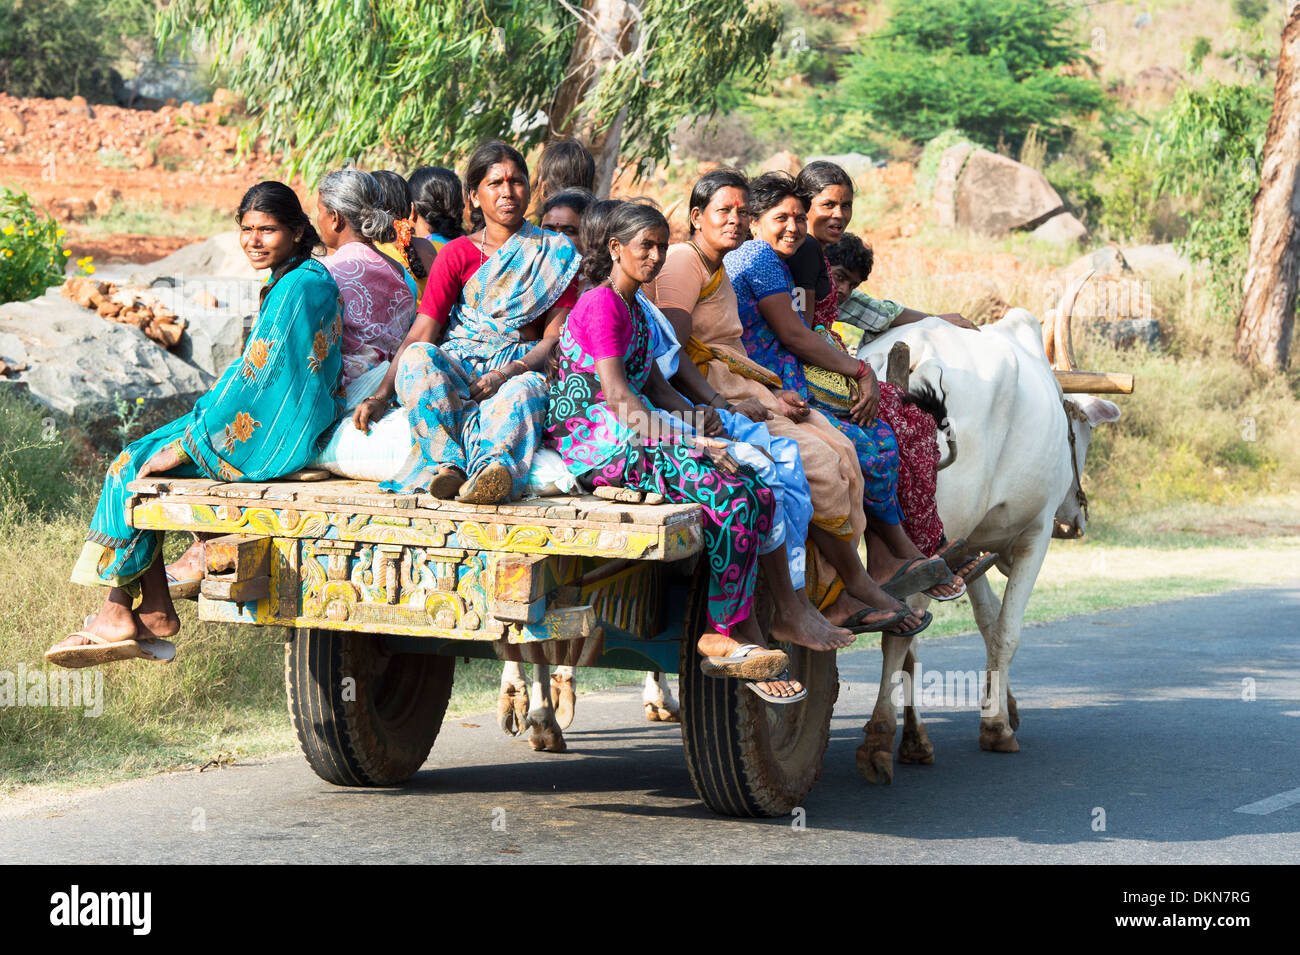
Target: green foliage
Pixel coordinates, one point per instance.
(1200, 50)
(993, 68)
(34, 452)
(335, 80)
(66, 47)
(1209, 148)
(1250, 11)
(32, 256)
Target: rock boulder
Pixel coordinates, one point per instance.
(996, 195)
(77, 364)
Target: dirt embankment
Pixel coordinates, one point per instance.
(80, 161)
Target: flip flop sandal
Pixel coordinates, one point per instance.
(917, 574)
(857, 623)
(782, 677)
(746, 664)
(489, 486)
(926, 619)
(959, 593)
(447, 483)
(981, 568)
(183, 588)
(103, 650)
(954, 553)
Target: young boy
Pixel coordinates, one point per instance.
(851, 261)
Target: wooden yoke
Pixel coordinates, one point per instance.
(1058, 343)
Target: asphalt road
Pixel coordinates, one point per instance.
(1138, 713)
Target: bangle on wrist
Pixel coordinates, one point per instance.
(863, 369)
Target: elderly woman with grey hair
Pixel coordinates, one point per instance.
(379, 297)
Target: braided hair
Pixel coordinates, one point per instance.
(439, 200)
(395, 198)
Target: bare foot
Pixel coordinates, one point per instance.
(804, 626)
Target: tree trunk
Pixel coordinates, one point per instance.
(606, 33)
(1268, 302)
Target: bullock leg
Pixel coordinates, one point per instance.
(546, 733)
(1003, 639)
(915, 746)
(876, 754)
(657, 697)
(512, 701)
(987, 607)
(564, 686)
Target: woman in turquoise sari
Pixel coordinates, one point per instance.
(477, 402)
(261, 419)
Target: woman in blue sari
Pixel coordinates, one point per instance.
(261, 419)
(500, 295)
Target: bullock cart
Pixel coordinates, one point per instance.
(379, 594)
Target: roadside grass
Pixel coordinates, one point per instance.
(154, 217)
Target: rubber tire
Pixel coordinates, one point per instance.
(747, 757)
(383, 734)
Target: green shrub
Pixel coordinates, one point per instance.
(1208, 149)
(990, 67)
(66, 47)
(32, 256)
(37, 459)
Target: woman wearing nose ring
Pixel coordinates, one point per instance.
(501, 294)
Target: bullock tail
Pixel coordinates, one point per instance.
(929, 397)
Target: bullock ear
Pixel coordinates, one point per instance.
(1098, 410)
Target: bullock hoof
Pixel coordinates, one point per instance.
(658, 714)
(916, 747)
(562, 698)
(876, 754)
(1013, 713)
(512, 707)
(547, 739)
(997, 738)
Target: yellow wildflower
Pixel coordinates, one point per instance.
(60, 233)
(9, 253)
(8, 230)
(67, 254)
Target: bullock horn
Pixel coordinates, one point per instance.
(1064, 343)
(1047, 325)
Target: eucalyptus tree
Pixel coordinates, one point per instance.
(426, 80)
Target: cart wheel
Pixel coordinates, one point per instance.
(747, 757)
(365, 716)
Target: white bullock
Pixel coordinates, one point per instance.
(1011, 478)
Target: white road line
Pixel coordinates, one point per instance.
(1271, 804)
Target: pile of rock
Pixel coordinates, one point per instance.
(129, 306)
